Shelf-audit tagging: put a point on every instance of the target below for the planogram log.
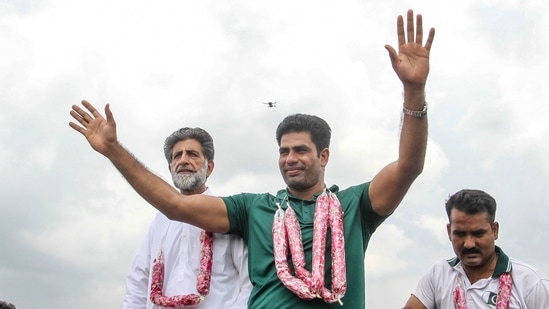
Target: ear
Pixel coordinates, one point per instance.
(170, 168)
(324, 157)
(211, 165)
(495, 229)
(449, 231)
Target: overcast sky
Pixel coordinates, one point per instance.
(70, 224)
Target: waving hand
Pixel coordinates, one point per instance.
(411, 63)
(99, 132)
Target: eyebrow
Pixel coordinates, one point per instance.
(191, 151)
(296, 147)
(483, 230)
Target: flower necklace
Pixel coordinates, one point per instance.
(504, 292)
(287, 233)
(202, 281)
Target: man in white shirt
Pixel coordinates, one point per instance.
(190, 154)
(481, 275)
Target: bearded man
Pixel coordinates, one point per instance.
(180, 247)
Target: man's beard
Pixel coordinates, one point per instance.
(189, 182)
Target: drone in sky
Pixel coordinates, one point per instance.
(270, 104)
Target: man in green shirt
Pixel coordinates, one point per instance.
(327, 241)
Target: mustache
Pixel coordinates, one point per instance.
(185, 169)
(470, 251)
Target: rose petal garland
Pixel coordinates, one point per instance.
(339, 269)
(504, 292)
(320, 228)
(286, 231)
(293, 232)
(202, 282)
(280, 243)
(459, 294)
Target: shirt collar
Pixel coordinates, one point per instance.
(282, 194)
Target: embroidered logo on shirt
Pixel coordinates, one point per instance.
(490, 298)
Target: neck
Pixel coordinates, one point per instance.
(198, 190)
(306, 194)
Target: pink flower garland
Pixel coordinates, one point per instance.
(504, 292)
(202, 282)
(286, 232)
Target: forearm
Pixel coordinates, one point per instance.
(200, 210)
(413, 137)
(148, 185)
(206, 212)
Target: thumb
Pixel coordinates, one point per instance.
(392, 55)
(109, 115)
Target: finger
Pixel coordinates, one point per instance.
(79, 114)
(400, 31)
(77, 128)
(410, 26)
(430, 39)
(419, 29)
(91, 108)
(77, 117)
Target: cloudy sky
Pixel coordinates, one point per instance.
(70, 224)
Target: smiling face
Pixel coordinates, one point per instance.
(302, 168)
(473, 238)
(189, 167)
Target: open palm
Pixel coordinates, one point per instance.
(411, 64)
(99, 132)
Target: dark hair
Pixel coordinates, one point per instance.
(6, 305)
(472, 202)
(318, 128)
(198, 134)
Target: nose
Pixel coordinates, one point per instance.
(291, 157)
(181, 160)
(469, 242)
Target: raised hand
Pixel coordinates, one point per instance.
(100, 133)
(411, 64)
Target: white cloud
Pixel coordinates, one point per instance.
(66, 213)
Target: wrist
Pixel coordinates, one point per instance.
(414, 94)
(416, 113)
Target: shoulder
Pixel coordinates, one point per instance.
(443, 266)
(247, 198)
(160, 220)
(441, 272)
(355, 189)
(525, 271)
(357, 193)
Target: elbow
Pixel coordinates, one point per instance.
(412, 171)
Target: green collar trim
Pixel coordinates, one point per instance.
(503, 264)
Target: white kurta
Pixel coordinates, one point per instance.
(180, 242)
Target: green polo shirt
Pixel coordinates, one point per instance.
(251, 216)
